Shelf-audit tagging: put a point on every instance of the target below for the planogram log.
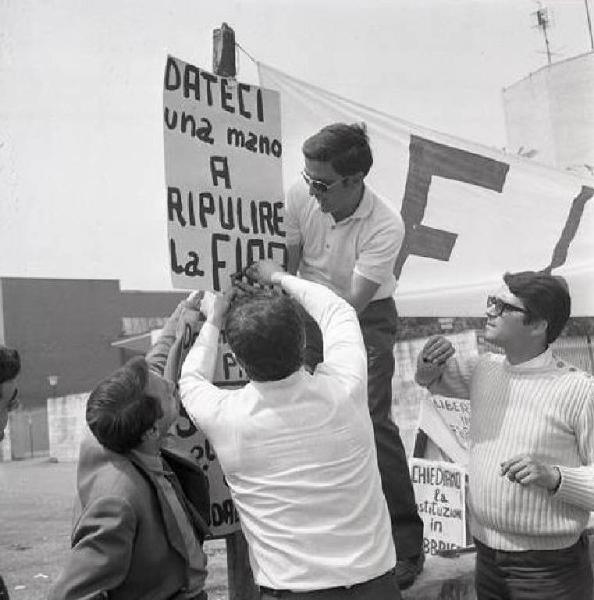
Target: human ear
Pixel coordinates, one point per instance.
(539, 327)
(151, 433)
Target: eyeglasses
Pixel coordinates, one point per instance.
(498, 306)
(320, 186)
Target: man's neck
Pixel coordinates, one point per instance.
(351, 204)
(150, 446)
(517, 356)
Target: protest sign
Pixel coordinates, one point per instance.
(441, 501)
(189, 438)
(456, 414)
(222, 142)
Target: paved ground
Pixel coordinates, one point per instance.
(35, 522)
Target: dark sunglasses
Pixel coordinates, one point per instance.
(497, 305)
(320, 186)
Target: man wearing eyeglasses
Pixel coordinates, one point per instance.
(10, 366)
(531, 466)
(341, 234)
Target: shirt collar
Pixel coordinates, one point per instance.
(541, 361)
(152, 462)
(287, 381)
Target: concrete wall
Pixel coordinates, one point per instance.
(66, 424)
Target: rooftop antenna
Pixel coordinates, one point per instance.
(543, 22)
(589, 24)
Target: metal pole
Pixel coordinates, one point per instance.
(590, 354)
(589, 24)
(31, 445)
(546, 37)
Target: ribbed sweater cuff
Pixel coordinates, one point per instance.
(577, 487)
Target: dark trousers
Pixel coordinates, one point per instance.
(378, 326)
(384, 587)
(3, 590)
(564, 574)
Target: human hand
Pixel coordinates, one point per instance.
(194, 300)
(215, 306)
(263, 271)
(525, 469)
(436, 350)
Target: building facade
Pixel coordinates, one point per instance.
(70, 333)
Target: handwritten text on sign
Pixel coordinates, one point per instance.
(190, 439)
(440, 494)
(223, 172)
(456, 414)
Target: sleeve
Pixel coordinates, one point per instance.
(577, 483)
(344, 351)
(199, 396)
(157, 355)
(451, 379)
(378, 253)
(102, 544)
(294, 204)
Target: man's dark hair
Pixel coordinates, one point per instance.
(10, 364)
(544, 296)
(118, 409)
(266, 333)
(345, 147)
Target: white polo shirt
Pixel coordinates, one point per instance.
(299, 457)
(366, 243)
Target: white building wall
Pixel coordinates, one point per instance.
(552, 111)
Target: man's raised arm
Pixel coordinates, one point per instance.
(344, 351)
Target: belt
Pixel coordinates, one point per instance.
(275, 593)
(493, 552)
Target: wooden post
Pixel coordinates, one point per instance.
(239, 574)
(223, 51)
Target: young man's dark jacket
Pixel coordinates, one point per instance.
(125, 532)
(126, 542)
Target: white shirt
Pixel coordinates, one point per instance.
(366, 243)
(299, 456)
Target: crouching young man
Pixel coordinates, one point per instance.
(138, 532)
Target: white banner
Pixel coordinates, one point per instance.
(471, 212)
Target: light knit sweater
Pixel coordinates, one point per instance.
(543, 407)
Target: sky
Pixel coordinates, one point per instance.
(81, 138)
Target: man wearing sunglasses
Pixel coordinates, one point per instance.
(531, 467)
(10, 366)
(341, 234)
